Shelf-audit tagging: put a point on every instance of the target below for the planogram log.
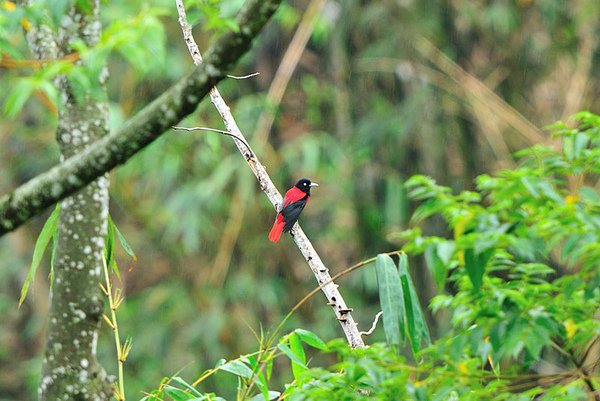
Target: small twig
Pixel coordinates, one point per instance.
(219, 131)
(372, 329)
(243, 76)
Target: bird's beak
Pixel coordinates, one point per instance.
(314, 184)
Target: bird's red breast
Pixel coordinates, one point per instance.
(294, 201)
(291, 196)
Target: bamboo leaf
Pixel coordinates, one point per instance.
(53, 258)
(415, 319)
(185, 384)
(311, 339)
(238, 368)
(390, 298)
(262, 385)
(289, 353)
(18, 96)
(177, 394)
(298, 350)
(271, 395)
(109, 248)
(126, 247)
(49, 230)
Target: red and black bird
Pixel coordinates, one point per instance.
(293, 202)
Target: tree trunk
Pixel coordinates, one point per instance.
(70, 369)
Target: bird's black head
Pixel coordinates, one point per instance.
(304, 185)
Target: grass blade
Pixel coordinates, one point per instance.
(48, 232)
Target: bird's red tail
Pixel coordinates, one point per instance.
(277, 229)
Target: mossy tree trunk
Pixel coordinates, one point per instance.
(70, 369)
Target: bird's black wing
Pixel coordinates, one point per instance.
(291, 213)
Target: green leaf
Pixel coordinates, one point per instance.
(177, 394)
(415, 320)
(271, 395)
(183, 383)
(311, 339)
(126, 247)
(238, 368)
(290, 354)
(49, 230)
(85, 6)
(262, 385)
(109, 248)
(52, 259)
(17, 97)
(390, 298)
(298, 350)
(475, 264)
(437, 264)
(269, 368)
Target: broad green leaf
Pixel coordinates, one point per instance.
(183, 383)
(475, 265)
(238, 368)
(415, 320)
(298, 350)
(390, 299)
(49, 230)
(177, 394)
(311, 339)
(290, 354)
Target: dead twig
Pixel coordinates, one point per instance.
(219, 131)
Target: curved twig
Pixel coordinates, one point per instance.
(218, 131)
(243, 76)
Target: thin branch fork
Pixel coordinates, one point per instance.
(321, 273)
(219, 131)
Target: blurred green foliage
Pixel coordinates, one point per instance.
(366, 108)
(514, 307)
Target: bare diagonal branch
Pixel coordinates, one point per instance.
(319, 270)
(174, 104)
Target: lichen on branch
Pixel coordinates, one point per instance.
(174, 104)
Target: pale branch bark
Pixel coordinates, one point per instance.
(112, 150)
(321, 273)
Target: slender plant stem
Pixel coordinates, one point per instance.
(115, 328)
